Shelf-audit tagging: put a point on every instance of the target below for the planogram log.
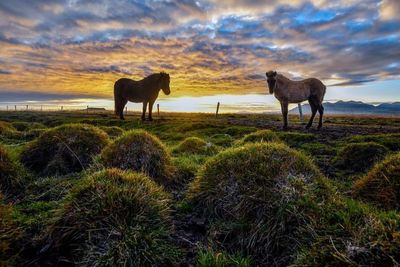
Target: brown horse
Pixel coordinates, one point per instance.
(145, 91)
(288, 91)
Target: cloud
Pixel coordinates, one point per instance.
(207, 46)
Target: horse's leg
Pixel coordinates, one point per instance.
(321, 114)
(313, 112)
(284, 107)
(151, 103)
(144, 110)
(121, 108)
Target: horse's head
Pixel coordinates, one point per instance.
(164, 83)
(271, 80)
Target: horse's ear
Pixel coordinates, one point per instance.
(266, 74)
(275, 73)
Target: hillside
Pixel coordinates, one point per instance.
(354, 107)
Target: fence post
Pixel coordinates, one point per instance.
(158, 110)
(216, 113)
(7, 108)
(62, 108)
(126, 110)
(300, 111)
(87, 109)
(41, 108)
(15, 107)
(26, 107)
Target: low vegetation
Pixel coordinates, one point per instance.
(259, 136)
(10, 182)
(140, 151)
(257, 198)
(113, 218)
(381, 186)
(253, 196)
(195, 145)
(64, 149)
(359, 157)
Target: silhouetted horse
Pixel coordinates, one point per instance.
(288, 91)
(145, 90)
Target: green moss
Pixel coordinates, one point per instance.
(294, 139)
(360, 156)
(253, 194)
(65, 149)
(195, 145)
(381, 186)
(114, 218)
(186, 167)
(140, 151)
(259, 136)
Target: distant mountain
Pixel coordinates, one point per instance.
(355, 107)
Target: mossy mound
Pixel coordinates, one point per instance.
(140, 151)
(113, 131)
(195, 145)
(381, 186)
(65, 149)
(113, 218)
(7, 130)
(260, 136)
(254, 197)
(359, 157)
(25, 126)
(9, 182)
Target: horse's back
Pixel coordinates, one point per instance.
(316, 86)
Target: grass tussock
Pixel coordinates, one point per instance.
(113, 218)
(195, 145)
(259, 136)
(210, 258)
(10, 182)
(252, 195)
(65, 149)
(140, 151)
(359, 157)
(8, 131)
(23, 126)
(10, 234)
(381, 186)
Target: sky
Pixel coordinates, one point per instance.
(72, 49)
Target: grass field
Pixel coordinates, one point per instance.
(192, 209)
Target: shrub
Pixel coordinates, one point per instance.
(360, 156)
(140, 151)
(195, 145)
(113, 131)
(9, 180)
(65, 149)
(259, 136)
(114, 218)
(253, 196)
(381, 186)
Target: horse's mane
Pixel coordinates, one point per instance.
(154, 76)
